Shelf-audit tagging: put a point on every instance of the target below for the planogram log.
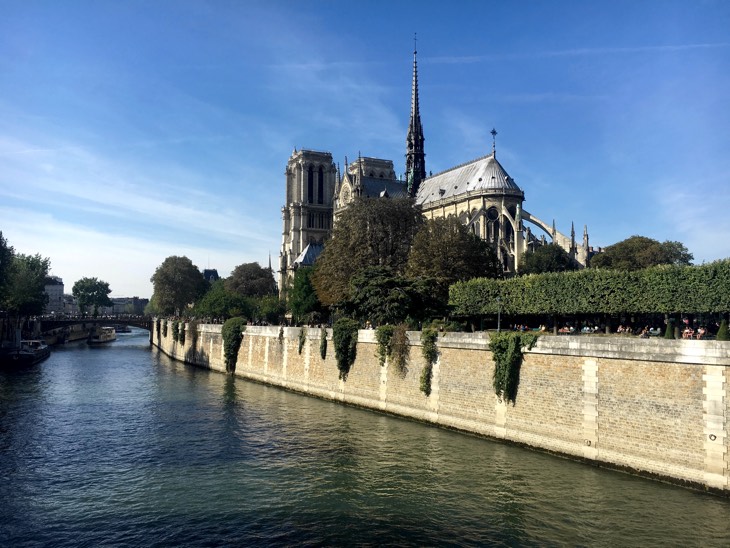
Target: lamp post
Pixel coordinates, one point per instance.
(499, 314)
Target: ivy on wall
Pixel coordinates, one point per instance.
(164, 329)
(344, 336)
(302, 339)
(400, 349)
(383, 334)
(323, 343)
(232, 333)
(430, 353)
(175, 331)
(181, 333)
(506, 348)
(193, 330)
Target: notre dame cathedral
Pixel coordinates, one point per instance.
(479, 193)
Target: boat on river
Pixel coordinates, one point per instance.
(28, 353)
(102, 335)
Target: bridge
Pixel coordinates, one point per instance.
(49, 324)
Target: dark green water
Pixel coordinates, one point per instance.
(120, 446)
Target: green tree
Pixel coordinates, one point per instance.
(445, 251)
(176, 283)
(380, 296)
(269, 309)
(370, 232)
(251, 280)
(26, 286)
(302, 297)
(639, 252)
(92, 292)
(218, 302)
(547, 258)
(6, 259)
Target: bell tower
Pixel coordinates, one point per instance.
(311, 177)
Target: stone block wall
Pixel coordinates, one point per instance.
(657, 407)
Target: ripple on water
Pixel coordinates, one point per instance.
(124, 447)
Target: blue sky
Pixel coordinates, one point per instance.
(132, 131)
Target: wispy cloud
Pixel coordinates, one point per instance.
(575, 52)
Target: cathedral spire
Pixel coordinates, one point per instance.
(415, 156)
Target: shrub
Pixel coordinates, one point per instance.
(175, 331)
(181, 333)
(506, 350)
(722, 333)
(164, 329)
(344, 335)
(430, 354)
(232, 336)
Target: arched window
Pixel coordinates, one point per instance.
(320, 186)
(310, 185)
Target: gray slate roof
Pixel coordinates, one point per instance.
(483, 175)
(373, 187)
(309, 255)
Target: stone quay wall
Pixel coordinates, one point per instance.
(651, 406)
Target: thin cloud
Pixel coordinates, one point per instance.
(576, 52)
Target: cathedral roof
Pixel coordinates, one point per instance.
(483, 175)
(309, 255)
(373, 187)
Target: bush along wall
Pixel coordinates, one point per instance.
(344, 336)
(232, 333)
(164, 329)
(506, 348)
(175, 331)
(181, 333)
(429, 350)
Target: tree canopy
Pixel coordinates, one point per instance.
(220, 303)
(370, 232)
(251, 280)
(302, 296)
(380, 296)
(446, 252)
(26, 285)
(6, 259)
(92, 292)
(176, 283)
(547, 258)
(639, 252)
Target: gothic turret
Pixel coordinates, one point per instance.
(415, 156)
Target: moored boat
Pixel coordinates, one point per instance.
(28, 353)
(102, 335)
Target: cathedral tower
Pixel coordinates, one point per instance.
(415, 156)
(307, 215)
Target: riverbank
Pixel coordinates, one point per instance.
(655, 407)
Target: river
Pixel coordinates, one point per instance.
(121, 446)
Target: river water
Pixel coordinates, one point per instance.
(120, 446)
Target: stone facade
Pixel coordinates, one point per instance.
(307, 214)
(654, 407)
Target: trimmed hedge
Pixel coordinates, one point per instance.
(660, 289)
